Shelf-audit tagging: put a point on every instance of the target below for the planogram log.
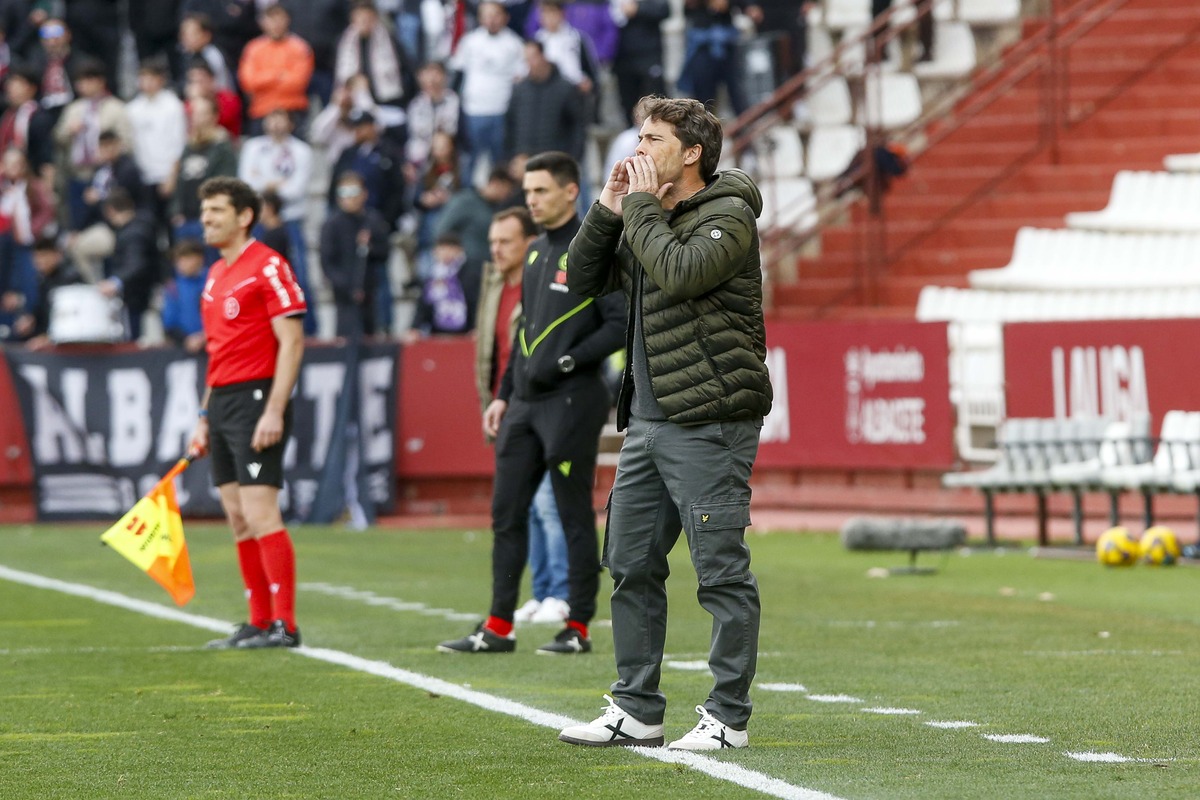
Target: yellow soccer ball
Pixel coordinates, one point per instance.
(1116, 548)
(1158, 546)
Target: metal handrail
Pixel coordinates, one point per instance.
(1044, 50)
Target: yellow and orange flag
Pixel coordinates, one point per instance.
(151, 536)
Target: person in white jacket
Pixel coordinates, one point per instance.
(279, 161)
(159, 124)
(490, 59)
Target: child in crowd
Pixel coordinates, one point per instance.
(181, 296)
(443, 306)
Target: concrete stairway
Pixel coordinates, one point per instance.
(1155, 115)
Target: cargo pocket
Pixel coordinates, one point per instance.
(719, 541)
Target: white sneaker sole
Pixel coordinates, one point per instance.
(655, 741)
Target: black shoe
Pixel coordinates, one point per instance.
(243, 632)
(568, 642)
(481, 641)
(275, 636)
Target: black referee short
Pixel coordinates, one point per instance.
(233, 411)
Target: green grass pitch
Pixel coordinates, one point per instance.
(1046, 657)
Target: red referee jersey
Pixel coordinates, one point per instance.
(237, 306)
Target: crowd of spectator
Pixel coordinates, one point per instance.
(357, 120)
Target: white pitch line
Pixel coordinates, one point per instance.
(721, 770)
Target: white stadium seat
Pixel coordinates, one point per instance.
(953, 52)
(1161, 202)
(989, 12)
(1054, 260)
(831, 148)
(893, 100)
(1182, 162)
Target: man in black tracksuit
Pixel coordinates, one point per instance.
(548, 415)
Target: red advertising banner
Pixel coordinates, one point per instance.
(439, 432)
(859, 395)
(1108, 368)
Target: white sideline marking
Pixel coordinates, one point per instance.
(1015, 738)
(1103, 758)
(781, 687)
(721, 770)
(952, 725)
(689, 666)
(395, 604)
(834, 698)
(891, 711)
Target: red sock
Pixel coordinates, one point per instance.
(279, 561)
(500, 627)
(258, 588)
(579, 626)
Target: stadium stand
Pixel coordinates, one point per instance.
(831, 148)
(1182, 162)
(954, 55)
(1143, 202)
(1057, 260)
(891, 100)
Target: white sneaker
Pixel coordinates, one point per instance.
(710, 734)
(552, 610)
(525, 613)
(614, 728)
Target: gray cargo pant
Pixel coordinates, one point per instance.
(695, 478)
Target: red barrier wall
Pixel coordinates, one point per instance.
(439, 424)
(859, 395)
(1105, 368)
(15, 468)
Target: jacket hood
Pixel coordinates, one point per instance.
(730, 183)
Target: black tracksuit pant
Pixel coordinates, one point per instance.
(559, 433)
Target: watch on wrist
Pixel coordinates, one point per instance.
(566, 364)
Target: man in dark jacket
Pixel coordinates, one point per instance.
(52, 272)
(546, 111)
(354, 253)
(135, 266)
(547, 415)
(639, 62)
(378, 163)
(680, 240)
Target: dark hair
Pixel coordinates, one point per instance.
(240, 195)
(156, 65)
(26, 73)
(45, 242)
(357, 4)
(694, 125)
(90, 68)
(439, 66)
(501, 174)
(537, 45)
(521, 215)
(561, 166)
(108, 135)
(202, 20)
(271, 200)
(350, 176)
(197, 61)
(448, 238)
(120, 201)
(187, 247)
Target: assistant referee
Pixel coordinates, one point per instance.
(252, 308)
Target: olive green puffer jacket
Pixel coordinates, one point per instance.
(698, 266)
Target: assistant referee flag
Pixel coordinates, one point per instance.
(151, 536)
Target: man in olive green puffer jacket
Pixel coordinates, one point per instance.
(681, 241)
